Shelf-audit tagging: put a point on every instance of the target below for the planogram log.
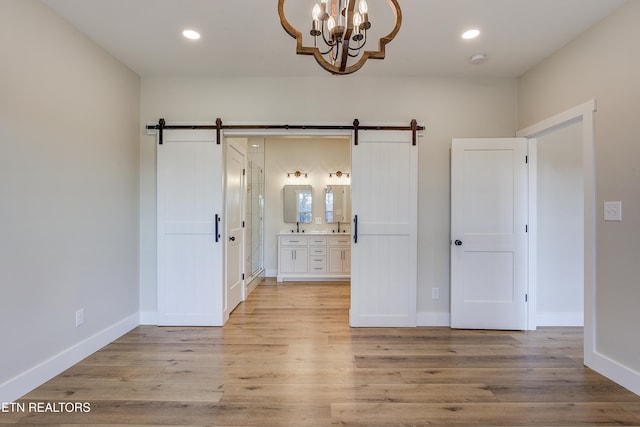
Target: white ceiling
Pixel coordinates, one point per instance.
(245, 38)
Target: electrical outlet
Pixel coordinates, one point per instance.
(318, 220)
(435, 293)
(79, 317)
(613, 211)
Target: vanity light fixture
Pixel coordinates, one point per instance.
(339, 33)
(338, 174)
(339, 178)
(297, 174)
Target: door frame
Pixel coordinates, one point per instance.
(584, 112)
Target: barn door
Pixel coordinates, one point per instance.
(384, 229)
(189, 179)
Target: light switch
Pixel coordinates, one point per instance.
(613, 211)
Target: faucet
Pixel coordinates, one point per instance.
(338, 226)
(297, 226)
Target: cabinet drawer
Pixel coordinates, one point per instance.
(317, 251)
(317, 241)
(340, 240)
(293, 240)
(317, 264)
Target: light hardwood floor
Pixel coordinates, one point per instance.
(287, 357)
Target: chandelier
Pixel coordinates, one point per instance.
(339, 32)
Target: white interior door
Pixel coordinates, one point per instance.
(489, 233)
(235, 158)
(189, 190)
(384, 246)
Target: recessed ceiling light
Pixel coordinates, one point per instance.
(191, 35)
(471, 34)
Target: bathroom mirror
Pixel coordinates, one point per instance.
(337, 204)
(298, 203)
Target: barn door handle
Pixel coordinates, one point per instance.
(355, 229)
(217, 231)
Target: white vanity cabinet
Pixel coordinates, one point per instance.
(313, 257)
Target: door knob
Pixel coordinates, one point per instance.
(232, 238)
(458, 242)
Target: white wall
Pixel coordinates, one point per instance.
(599, 65)
(447, 107)
(315, 156)
(69, 123)
(560, 227)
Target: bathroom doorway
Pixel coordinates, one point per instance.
(318, 159)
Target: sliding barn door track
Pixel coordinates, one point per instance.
(219, 126)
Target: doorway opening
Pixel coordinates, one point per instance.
(272, 162)
(583, 113)
(558, 205)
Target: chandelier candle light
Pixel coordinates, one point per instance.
(341, 30)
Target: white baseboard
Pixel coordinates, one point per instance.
(434, 319)
(148, 318)
(23, 383)
(271, 273)
(560, 319)
(623, 375)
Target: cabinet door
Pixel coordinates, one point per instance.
(335, 260)
(294, 260)
(346, 261)
(301, 260)
(287, 260)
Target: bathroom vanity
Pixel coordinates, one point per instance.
(319, 254)
(314, 256)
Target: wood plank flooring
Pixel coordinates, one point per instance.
(287, 357)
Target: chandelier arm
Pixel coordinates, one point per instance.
(354, 52)
(327, 42)
(336, 53)
(330, 44)
(326, 52)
